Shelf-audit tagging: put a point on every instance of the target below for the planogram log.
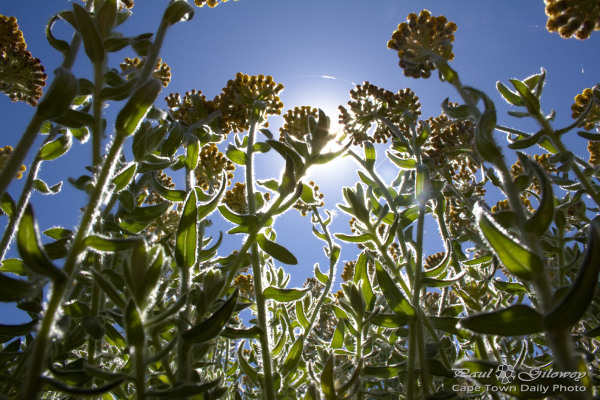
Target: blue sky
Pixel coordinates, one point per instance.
(317, 49)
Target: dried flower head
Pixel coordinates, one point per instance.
(582, 101)
(210, 3)
(5, 153)
(434, 260)
(211, 166)
(373, 105)
(450, 144)
(348, 272)
(132, 66)
(21, 75)
(193, 107)
(573, 17)
(235, 198)
(504, 205)
(594, 150)
(305, 207)
(245, 283)
(420, 40)
(296, 122)
(243, 94)
(125, 3)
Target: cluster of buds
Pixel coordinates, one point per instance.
(421, 40)
(434, 260)
(5, 153)
(373, 105)
(594, 150)
(295, 122)
(450, 143)
(245, 283)
(304, 207)
(235, 198)
(21, 76)
(193, 107)
(210, 3)
(132, 66)
(573, 17)
(582, 102)
(211, 166)
(348, 272)
(504, 205)
(544, 161)
(245, 93)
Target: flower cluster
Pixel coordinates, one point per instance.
(594, 150)
(296, 122)
(243, 94)
(450, 143)
(582, 101)
(348, 272)
(211, 166)
(236, 200)
(126, 4)
(21, 76)
(373, 105)
(210, 3)
(504, 205)
(132, 66)
(193, 107)
(420, 41)
(434, 260)
(573, 17)
(5, 153)
(245, 283)
(304, 207)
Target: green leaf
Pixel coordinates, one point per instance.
(169, 194)
(108, 288)
(236, 155)
(102, 243)
(384, 372)
(519, 260)
(58, 44)
(74, 119)
(438, 283)
(515, 320)
(133, 325)
(15, 289)
(293, 357)
(246, 367)
(456, 112)
(250, 333)
(192, 153)
(80, 391)
(402, 163)
(106, 17)
(7, 204)
(301, 315)
(14, 265)
(365, 237)
(43, 188)
(531, 102)
(387, 320)
(361, 275)
(508, 95)
(284, 295)
(184, 390)
(577, 300)
(321, 276)
(393, 295)
(327, 380)
(205, 209)
(150, 213)
(31, 249)
(212, 326)
(137, 106)
(510, 287)
(17, 330)
(119, 92)
(370, 155)
(544, 215)
(186, 243)
(92, 41)
(56, 148)
(285, 151)
(124, 177)
(275, 250)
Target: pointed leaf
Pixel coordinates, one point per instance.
(212, 326)
(15, 289)
(284, 295)
(393, 295)
(31, 249)
(133, 325)
(577, 300)
(519, 260)
(531, 102)
(56, 148)
(186, 243)
(327, 380)
(124, 177)
(92, 41)
(293, 357)
(275, 250)
(515, 320)
(109, 244)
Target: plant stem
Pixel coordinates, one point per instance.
(71, 267)
(261, 306)
(98, 105)
(140, 373)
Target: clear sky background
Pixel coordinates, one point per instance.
(319, 49)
